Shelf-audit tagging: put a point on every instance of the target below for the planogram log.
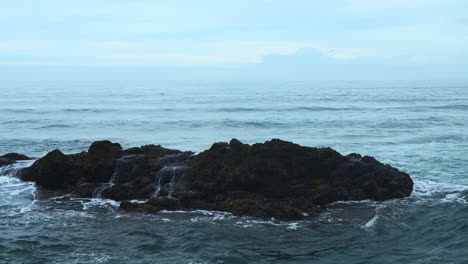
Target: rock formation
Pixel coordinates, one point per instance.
(273, 179)
(11, 158)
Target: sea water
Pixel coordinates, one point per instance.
(419, 127)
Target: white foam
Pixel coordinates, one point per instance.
(439, 191)
(138, 201)
(16, 196)
(431, 187)
(371, 202)
(369, 225)
(12, 169)
(246, 222)
(203, 212)
(98, 202)
(88, 258)
(293, 226)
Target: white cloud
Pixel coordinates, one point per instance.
(216, 54)
(125, 53)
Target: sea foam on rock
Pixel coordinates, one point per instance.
(276, 179)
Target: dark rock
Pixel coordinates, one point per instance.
(57, 170)
(86, 190)
(11, 158)
(101, 159)
(156, 151)
(133, 151)
(276, 179)
(54, 170)
(4, 162)
(104, 150)
(15, 156)
(120, 192)
(278, 169)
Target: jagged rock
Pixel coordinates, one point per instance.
(54, 170)
(11, 158)
(101, 159)
(273, 179)
(120, 192)
(279, 169)
(57, 170)
(86, 189)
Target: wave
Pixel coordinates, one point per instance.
(451, 107)
(17, 197)
(62, 125)
(93, 110)
(240, 109)
(439, 191)
(252, 124)
(13, 169)
(328, 108)
(98, 203)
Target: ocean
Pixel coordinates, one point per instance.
(419, 127)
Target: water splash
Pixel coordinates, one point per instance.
(113, 179)
(166, 170)
(16, 197)
(172, 183)
(13, 170)
(370, 225)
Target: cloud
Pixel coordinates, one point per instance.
(219, 34)
(214, 54)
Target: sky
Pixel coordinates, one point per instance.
(242, 39)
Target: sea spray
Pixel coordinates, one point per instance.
(14, 169)
(16, 197)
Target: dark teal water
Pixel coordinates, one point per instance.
(419, 127)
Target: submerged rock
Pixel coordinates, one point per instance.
(276, 179)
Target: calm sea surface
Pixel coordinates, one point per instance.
(418, 127)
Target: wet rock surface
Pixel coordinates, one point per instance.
(11, 158)
(276, 179)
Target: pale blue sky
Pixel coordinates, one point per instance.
(264, 39)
